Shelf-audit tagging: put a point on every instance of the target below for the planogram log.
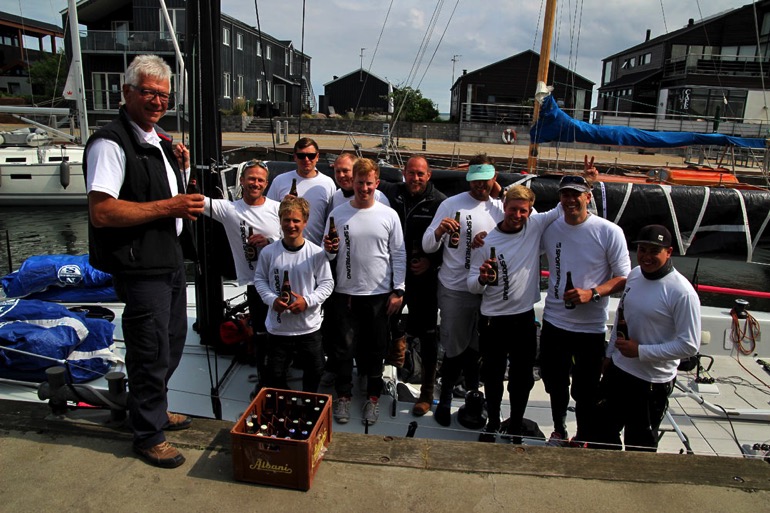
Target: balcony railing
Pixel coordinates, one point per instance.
(504, 114)
(738, 127)
(133, 42)
(716, 65)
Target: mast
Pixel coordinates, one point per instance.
(203, 63)
(77, 62)
(542, 72)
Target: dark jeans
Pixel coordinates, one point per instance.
(362, 324)
(305, 350)
(421, 301)
(631, 404)
(512, 340)
(258, 313)
(154, 329)
(563, 352)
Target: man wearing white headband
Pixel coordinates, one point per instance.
(459, 308)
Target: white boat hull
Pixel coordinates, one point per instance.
(34, 176)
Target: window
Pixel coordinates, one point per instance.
(269, 52)
(765, 25)
(607, 77)
(259, 49)
(239, 41)
(226, 86)
(178, 23)
(286, 60)
(240, 86)
(267, 90)
(226, 36)
(107, 92)
(280, 93)
(645, 59)
(259, 89)
(629, 63)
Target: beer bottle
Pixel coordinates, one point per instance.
(286, 296)
(454, 237)
(493, 273)
(192, 185)
(569, 305)
(621, 330)
(251, 251)
(334, 237)
(293, 190)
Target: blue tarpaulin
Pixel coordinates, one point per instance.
(553, 125)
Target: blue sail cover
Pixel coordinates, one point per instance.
(555, 125)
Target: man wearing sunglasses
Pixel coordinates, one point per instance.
(138, 218)
(251, 223)
(593, 250)
(312, 185)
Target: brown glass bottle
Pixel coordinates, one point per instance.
(334, 237)
(249, 250)
(621, 330)
(454, 237)
(569, 305)
(293, 190)
(286, 296)
(192, 185)
(493, 273)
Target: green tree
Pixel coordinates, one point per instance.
(415, 107)
(48, 76)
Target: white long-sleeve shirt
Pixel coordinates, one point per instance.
(237, 217)
(371, 257)
(518, 264)
(475, 216)
(309, 276)
(663, 316)
(594, 251)
(318, 191)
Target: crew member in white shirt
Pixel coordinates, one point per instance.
(662, 318)
(459, 307)
(343, 175)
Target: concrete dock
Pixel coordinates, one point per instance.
(83, 465)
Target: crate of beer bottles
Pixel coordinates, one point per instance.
(281, 438)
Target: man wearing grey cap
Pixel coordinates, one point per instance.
(459, 308)
(588, 260)
(657, 323)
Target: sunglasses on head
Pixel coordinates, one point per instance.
(574, 180)
(255, 163)
(308, 156)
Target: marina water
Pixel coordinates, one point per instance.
(54, 230)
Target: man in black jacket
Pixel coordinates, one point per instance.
(137, 212)
(416, 200)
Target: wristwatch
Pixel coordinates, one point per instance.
(398, 292)
(596, 296)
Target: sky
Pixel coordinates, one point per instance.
(399, 46)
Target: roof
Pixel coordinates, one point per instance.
(359, 70)
(632, 79)
(516, 56)
(29, 24)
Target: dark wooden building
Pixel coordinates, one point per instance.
(694, 70)
(16, 55)
(359, 91)
(271, 78)
(511, 82)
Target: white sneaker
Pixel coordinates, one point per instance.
(341, 409)
(371, 411)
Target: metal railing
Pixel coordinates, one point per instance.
(722, 65)
(134, 41)
(739, 127)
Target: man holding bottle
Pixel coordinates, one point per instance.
(662, 320)
(477, 212)
(506, 271)
(593, 250)
(370, 270)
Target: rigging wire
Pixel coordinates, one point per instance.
(261, 53)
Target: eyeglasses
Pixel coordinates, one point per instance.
(309, 156)
(255, 163)
(150, 94)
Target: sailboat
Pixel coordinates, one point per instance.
(705, 417)
(33, 170)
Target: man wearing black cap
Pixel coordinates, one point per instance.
(661, 314)
(592, 252)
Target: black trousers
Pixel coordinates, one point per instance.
(305, 350)
(633, 405)
(511, 340)
(154, 329)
